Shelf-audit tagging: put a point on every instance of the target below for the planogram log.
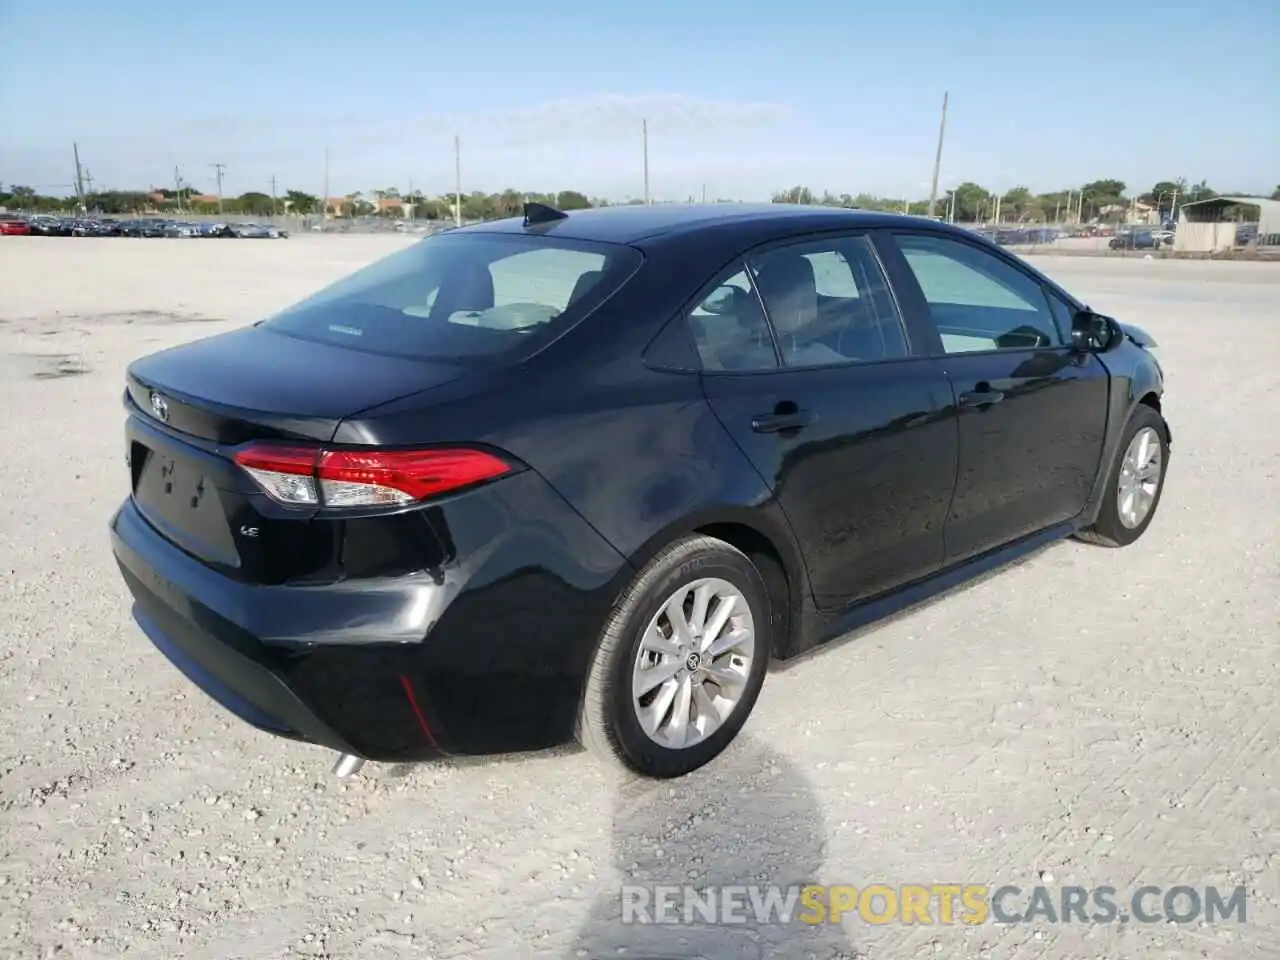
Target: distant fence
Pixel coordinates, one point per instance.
(1237, 240)
(293, 224)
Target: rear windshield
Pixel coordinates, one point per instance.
(469, 298)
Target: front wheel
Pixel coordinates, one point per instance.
(680, 663)
(1135, 482)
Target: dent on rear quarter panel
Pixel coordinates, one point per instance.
(638, 469)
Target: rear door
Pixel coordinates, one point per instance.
(809, 367)
(1032, 411)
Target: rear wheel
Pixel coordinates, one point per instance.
(680, 662)
(1135, 482)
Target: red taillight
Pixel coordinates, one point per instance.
(364, 478)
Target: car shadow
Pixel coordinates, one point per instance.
(748, 819)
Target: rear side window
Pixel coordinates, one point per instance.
(469, 298)
(730, 330)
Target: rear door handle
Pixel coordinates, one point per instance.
(984, 396)
(777, 422)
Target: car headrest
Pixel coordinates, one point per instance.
(584, 284)
(464, 290)
(790, 290)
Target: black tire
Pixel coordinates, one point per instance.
(607, 723)
(1107, 530)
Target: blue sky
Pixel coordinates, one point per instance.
(743, 99)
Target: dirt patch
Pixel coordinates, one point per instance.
(41, 366)
(165, 318)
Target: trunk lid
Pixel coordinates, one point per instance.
(255, 383)
(190, 406)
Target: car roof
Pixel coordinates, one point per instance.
(638, 224)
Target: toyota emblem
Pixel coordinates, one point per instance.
(160, 407)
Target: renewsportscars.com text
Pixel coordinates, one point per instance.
(930, 904)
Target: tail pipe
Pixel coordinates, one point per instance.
(347, 765)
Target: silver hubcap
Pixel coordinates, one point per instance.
(693, 663)
(1139, 478)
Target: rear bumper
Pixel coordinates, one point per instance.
(500, 640)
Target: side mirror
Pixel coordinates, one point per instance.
(722, 300)
(1093, 333)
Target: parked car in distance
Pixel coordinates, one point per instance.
(13, 226)
(584, 476)
(1136, 240)
(258, 231)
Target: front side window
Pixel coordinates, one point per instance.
(467, 298)
(978, 301)
(829, 303)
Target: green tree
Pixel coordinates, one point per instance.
(572, 200)
(1103, 195)
(254, 204)
(1161, 196)
(800, 195)
(1200, 191)
(1018, 204)
(301, 204)
(973, 201)
(1054, 205)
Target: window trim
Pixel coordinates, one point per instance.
(997, 253)
(742, 262)
(1050, 296)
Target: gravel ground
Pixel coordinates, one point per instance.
(1087, 717)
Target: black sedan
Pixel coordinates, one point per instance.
(583, 476)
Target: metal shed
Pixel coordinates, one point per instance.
(1203, 225)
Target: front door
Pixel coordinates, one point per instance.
(1032, 410)
(855, 435)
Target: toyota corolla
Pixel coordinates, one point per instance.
(584, 476)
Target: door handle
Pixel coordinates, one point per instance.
(982, 396)
(777, 422)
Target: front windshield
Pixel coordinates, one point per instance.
(479, 298)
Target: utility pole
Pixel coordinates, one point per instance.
(79, 174)
(1173, 205)
(324, 200)
(644, 134)
(88, 178)
(218, 168)
(457, 182)
(937, 160)
(177, 186)
(273, 195)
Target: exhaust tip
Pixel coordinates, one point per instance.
(347, 765)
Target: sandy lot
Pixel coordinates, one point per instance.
(1099, 717)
